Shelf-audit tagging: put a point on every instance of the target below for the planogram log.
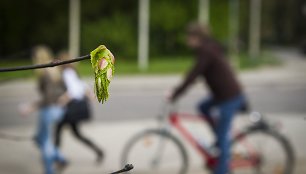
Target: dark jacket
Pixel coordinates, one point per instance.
(211, 64)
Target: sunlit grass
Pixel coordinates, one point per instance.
(265, 59)
(157, 65)
(16, 74)
(172, 65)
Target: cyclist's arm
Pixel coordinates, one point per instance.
(197, 70)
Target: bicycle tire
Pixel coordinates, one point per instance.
(282, 141)
(159, 133)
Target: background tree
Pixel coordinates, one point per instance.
(114, 23)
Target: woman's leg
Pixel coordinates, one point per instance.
(46, 151)
(50, 152)
(50, 155)
(58, 157)
(58, 133)
(86, 141)
(43, 139)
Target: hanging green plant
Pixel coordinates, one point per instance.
(102, 61)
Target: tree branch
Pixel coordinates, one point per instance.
(51, 64)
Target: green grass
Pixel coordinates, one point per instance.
(158, 65)
(16, 74)
(162, 65)
(265, 59)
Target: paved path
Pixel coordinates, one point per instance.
(270, 90)
(23, 157)
(135, 101)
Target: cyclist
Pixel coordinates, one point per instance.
(226, 92)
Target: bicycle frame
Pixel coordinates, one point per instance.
(211, 161)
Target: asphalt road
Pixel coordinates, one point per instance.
(278, 92)
(270, 90)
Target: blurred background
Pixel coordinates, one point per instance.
(265, 42)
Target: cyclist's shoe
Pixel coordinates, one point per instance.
(212, 162)
(214, 151)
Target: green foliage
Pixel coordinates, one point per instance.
(115, 23)
(219, 19)
(115, 31)
(24, 24)
(168, 20)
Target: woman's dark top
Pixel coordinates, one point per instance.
(211, 64)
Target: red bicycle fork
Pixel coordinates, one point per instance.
(211, 161)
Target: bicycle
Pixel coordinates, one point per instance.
(159, 150)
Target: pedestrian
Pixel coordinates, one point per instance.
(50, 107)
(226, 93)
(78, 107)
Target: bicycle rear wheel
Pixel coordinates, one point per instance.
(261, 152)
(155, 151)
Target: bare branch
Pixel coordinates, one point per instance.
(51, 64)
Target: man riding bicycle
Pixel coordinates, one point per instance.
(226, 92)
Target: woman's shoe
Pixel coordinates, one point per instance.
(100, 157)
(61, 166)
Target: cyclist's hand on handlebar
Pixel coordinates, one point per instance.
(168, 96)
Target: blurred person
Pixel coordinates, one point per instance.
(53, 98)
(225, 91)
(78, 107)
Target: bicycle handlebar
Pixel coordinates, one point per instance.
(166, 108)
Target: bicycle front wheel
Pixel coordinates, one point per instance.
(155, 151)
(262, 152)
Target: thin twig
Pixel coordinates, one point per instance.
(51, 64)
(126, 168)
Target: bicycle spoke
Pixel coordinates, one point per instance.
(160, 149)
(155, 152)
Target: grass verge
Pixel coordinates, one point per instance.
(158, 65)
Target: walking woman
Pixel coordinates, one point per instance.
(53, 98)
(78, 109)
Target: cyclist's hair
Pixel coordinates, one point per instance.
(197, 29)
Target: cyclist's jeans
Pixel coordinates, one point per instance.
(222, 129)
(48, 116)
